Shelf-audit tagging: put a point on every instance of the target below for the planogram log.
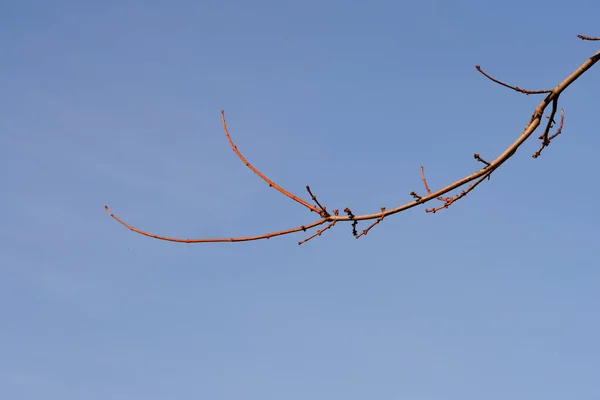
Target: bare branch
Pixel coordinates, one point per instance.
(473, 179)
(588, 38)
(323, 212)
(560, 127)
(440, 198)
(318, 233)
(303, 228)
(544, 136)
(516, 88)
(257, 172)
(378, 220)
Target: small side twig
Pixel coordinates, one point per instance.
(303, 228)
(378, 220)
(544, 137)
(416, 196)
(481, 160)
(450, 200)
(323, 212)
(318, 233)
(583, 37)
(515, 88)
(440, 198)
(260, 174)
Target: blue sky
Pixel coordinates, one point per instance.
(119, 103)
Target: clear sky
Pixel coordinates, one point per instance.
(118, 103)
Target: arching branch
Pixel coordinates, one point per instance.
(472, 180)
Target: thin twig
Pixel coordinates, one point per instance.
(547, 139)
(217, 240)
(588, 37)
(560, 126)
(323, 212)
(378, 220)
(481, 160)
(516, 88)
(257, 172)
(451, 200)
(318, 233)
(440, 198)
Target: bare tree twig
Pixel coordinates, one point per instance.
(544, 136)
(303, 228)
(318, 233)
(481, 160)
(323, 212)
(588, 37)
(516, 88)
(257, 172)
(378, 220)
(473, 179)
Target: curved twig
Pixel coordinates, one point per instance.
(257, 172)
(515, 88)
(216, 240)
(582, 37)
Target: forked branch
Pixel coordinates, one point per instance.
(472, 180)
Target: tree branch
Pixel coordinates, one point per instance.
(515, 88)
(473, 179)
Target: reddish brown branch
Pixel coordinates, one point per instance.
(515, 88)
(440, 198)
(257, 172)
(473, 179)
(425, 180)
(318, 233)
(216, 240)
(582, 37)
(450, 200)
(560, 126)
(323, 212)
(378, 220)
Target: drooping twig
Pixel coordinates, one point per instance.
(560, 126)
(516, 88)
(544, 137)
(351, 217)
(303, 228)
(476, 177)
